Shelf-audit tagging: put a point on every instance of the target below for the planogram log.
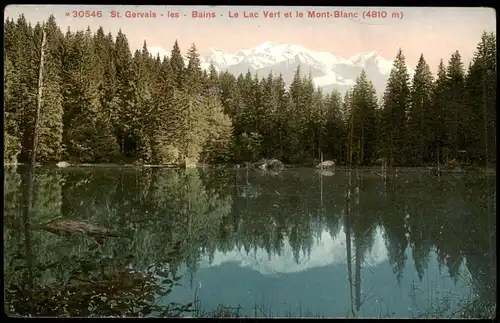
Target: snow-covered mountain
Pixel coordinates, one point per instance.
(325, 251)
(327, 70)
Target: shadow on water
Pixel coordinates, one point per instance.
(196, 223)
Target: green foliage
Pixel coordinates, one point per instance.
(50, 136)
(481, 85)
(396, 100)
(362, 132)
(103, 103)
(421, 131)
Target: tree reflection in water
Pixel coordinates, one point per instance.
(94, 286)
(213, 211)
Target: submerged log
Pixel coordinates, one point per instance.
(68, 226)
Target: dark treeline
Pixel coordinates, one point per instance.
(103, 103)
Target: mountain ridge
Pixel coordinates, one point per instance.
(328, 71)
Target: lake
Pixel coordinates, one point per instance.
(249, 243)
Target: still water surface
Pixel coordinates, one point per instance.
(299, 243)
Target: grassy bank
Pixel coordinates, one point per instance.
(440, 309)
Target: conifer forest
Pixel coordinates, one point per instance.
(102, 103)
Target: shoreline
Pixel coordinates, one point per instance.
(402, 169)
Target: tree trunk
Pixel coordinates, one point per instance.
(485, 117)
(362, 145)
(28, 181)
(351, 134)
(39, 102)
(357, 275)
(347, 228)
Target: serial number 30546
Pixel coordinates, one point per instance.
(86, 14)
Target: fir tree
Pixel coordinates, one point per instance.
(100, 101)
(455, 106)
(396, 100)
(177, 64)
(125, 95)
(49, 146)
(420, 117)
(439, 110)
(481, 98)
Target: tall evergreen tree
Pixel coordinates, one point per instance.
(455, 87)
(334, 128)
(177, 64)
(99, 101)
(439, 110)
(50, 137)
(88, 134)
(25, 89)
(362, 126)
(12, 141)
(481, 97)
(193, 74)
(107, 79)
(125, 94)
(396, 100)
(420, 116)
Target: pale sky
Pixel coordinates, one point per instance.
(435, 32)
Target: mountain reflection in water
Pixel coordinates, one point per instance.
(274, 245)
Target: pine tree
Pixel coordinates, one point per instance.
(455, 87)
(334, 128)
(177, 65)
(364, 104)
(192, 126)
(281, 116)
(218, 131)
(230, 97)
(107, 80)
(99, 100)
(193, 75)
(88, 133)
(316, 124)
(396, 100)
(348, 116)
(266, 115)
(50, 133)
(481, 98)
(213, 80)
(125, 95)
(12, 139)
(164, 146)
(22, 56)
(420, 117)
(439, 111)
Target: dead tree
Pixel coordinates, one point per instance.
(39, 102)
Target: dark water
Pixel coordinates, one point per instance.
(249, 243)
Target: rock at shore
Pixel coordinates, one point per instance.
(190, 162)
(62, 164)
(275, 165)
(326, 163)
